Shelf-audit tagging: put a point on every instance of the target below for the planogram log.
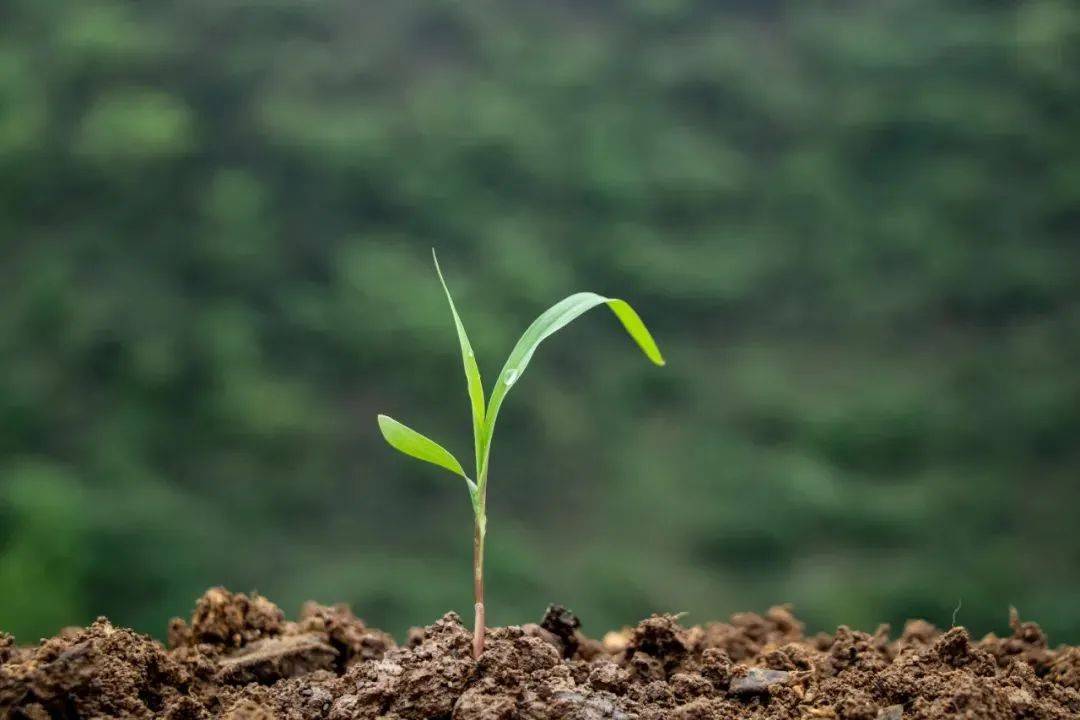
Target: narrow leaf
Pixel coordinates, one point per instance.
(633, 324)
(406, 440)
(551, 321)
(472, 370)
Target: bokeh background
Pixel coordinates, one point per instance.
(852, 227)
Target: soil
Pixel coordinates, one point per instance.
(238, 658)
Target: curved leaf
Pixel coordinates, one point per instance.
(472, 370)
(406, 440)
(551, 321)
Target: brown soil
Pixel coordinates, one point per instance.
(240, 659)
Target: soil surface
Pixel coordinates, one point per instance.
(238, 658)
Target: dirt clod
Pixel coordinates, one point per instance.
(564, 625)
(352, 639)
(271, 659)
(661, 639)
(239, 659)
(225, 618)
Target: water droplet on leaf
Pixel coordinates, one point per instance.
(511, 376)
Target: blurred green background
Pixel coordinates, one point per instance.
(852, 227)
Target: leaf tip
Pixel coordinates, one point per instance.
(654, 354)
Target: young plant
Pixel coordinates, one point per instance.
(414, 444)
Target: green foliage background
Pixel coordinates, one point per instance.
(852, 227)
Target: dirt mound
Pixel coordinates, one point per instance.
(239, 658)
(102, 671)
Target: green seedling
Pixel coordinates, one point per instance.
(414, 444)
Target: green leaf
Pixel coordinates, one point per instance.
(406, 440)
(551, 321)
(472, 370)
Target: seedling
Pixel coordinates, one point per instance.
(484, 414)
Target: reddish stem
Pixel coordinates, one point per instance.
(478, 592)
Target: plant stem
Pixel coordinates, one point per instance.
(478, 588)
